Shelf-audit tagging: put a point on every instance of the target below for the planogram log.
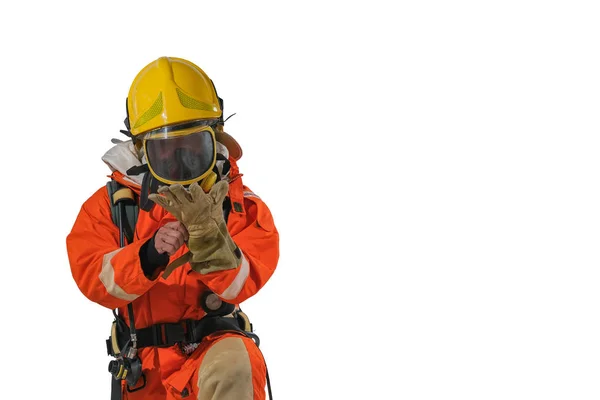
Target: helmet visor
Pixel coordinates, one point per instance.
(181, 157)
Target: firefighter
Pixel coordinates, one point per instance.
(200, 243)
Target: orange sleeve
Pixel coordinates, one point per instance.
(258, 239)
(104, 272)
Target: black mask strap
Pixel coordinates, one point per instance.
(149, 185)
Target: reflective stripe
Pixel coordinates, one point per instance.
(236, 286)
(248, 193)
(107, 276)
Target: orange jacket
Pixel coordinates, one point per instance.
(112, 276)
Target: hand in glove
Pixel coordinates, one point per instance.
(211, 246)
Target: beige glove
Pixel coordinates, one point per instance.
(211, 246)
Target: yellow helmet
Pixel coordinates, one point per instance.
(174, 111)
(170, 91)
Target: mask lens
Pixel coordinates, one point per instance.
(181, 158)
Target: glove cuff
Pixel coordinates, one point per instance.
(217, 252)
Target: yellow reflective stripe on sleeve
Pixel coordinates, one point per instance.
(107, 276)
(236, 286)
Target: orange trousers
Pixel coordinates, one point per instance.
(225, 366)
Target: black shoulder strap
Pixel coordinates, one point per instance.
(122, 199)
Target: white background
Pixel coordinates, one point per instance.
(432, 168)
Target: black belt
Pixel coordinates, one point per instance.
(169, 334)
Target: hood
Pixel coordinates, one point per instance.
(121, 157)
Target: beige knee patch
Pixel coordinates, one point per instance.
(226, 372)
